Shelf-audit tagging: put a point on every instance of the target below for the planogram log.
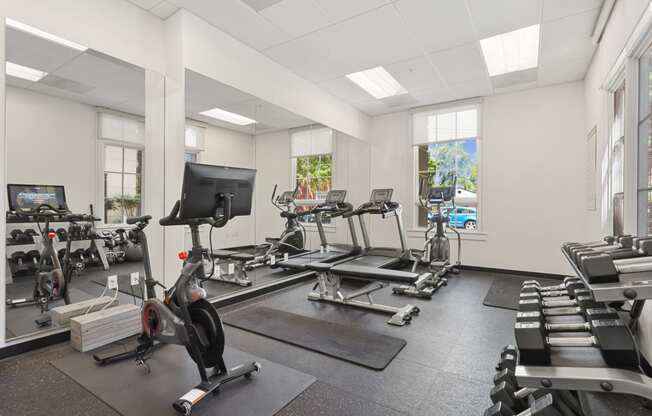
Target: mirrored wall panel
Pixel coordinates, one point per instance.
(306, 173)
(75, 156)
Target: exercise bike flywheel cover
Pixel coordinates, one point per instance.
(208, 325)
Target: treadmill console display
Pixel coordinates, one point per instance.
(335, 197)
(381, 196)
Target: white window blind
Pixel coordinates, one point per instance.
(317, 141)
(445, 125)
(120, 128)
(195, 138)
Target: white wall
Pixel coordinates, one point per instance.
(530, 177)
(52, 141)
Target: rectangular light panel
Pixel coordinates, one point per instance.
(377, 82)
(512, 51)
(227, 116)
(24, 72)
(45, 35)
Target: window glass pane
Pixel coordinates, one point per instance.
(467, 124)
(112, 198)
(113, 158)
(644, 172)
(112, 185)
(131, 195)
(645, 213)
(132, 160)
(190, 157)
(617, 166)
(645, 86)
(446, 126)
(618, 128)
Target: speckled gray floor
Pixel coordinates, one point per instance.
(445, 369)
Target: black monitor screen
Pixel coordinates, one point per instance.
(335, 197)
(441, 193)
(381, 196)
(286, 198)
(26, 198)
(203, 185)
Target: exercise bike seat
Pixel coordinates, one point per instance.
(319, 267)
(242, 256)
(374, 273)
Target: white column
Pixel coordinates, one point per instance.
(3, 182)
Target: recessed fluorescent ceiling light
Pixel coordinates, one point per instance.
(45, 35)
(377, 82)
(512, 51)
(24, 72)
(227, 116)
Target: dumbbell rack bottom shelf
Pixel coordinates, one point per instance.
(610, 380)
(638, 286)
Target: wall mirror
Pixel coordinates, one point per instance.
(298, 161)
(75, 137)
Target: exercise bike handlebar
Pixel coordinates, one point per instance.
(173, 217)
(136, 220)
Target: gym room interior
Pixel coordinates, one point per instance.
(326, 207)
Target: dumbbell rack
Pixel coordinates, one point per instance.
(638, 288)
(58, 245)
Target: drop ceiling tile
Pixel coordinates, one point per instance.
(237, 19)
(416, 74)
(563, 71)
(259, 5)
(515, 87)
(203, 93)
(35, 52)
(500, 16)
(345, 89)
(372, 107)
(145, 4)
(555, 9)
(344, 9)
(366, 41)
(400, 101)
(567, 38)
(297, 17)
(514, 78)
(473, 88)
(433, 96)
(461, 64)
(437, 24)
(164, 9)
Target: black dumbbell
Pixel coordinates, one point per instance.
(610, 336)
(554, 295)
(515, 398)
(20, 237)
(34, 256)
(507, 362)
(537, 303)
(567, 280)
(543, 406)
(62, 234)
(19, 258)
(589, 315)
(567, 288)
(31, 233)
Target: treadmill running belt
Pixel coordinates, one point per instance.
(373, 261)
(300, 262)
(355, 345)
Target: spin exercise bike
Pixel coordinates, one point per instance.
(436, 249)
(211, 195)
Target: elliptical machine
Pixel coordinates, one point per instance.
(436, 249)
(185, 317)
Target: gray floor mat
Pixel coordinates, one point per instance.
(504, 292)
(355, 345)
(131, 391)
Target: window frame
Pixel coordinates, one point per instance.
(293, 175)
(619, 83)
(101, 169)
(476, 104)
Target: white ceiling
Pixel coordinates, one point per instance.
(203, 93)
(87, 77)
(431, 46)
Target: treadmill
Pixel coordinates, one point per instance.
(380, 203)
(334, 206)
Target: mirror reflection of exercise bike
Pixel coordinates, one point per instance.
(185, 317)
(436, 249)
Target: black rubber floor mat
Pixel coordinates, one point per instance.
(124, 284)
(355, 345)
(505, 291)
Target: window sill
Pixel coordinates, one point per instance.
(113, 226)
(466, 235)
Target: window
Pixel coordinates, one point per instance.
(312, 166)
(446, 151)
(645, 146)
(121, 140)
(122, 183)
(194, 143)
(617, 140)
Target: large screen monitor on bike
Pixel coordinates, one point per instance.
(205, 185)
(26, 198)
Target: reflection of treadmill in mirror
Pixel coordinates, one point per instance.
(333, 207)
